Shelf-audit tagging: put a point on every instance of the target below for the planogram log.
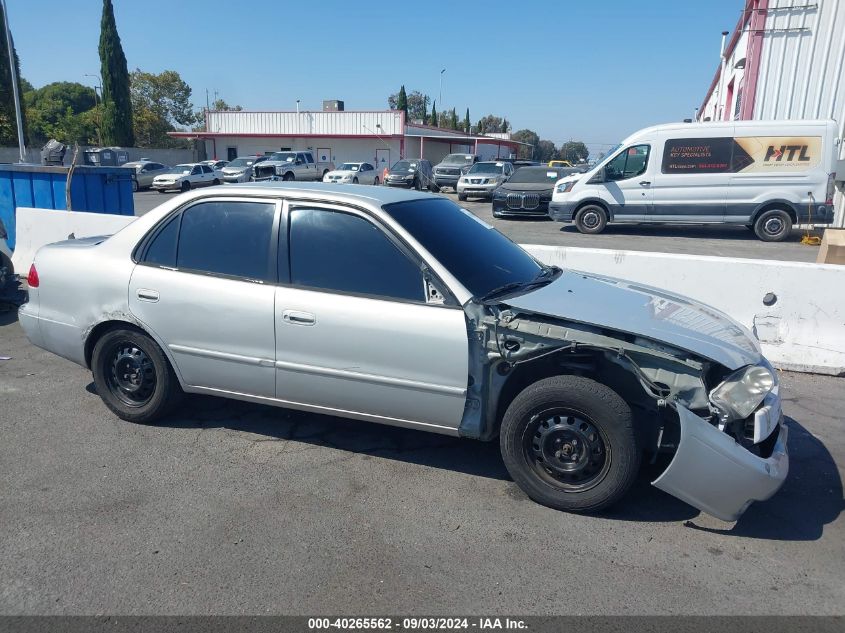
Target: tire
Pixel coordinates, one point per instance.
(416, 184)
(135, 186)
(590, 429)
(216, 181)
(354, 181)
(773, 225)
(162, 191)
(376, 182)
(288, 177)
(133, 376)
(591, 219)
(186, 186)
(433, 187)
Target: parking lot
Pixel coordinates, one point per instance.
(721, 240)
(237, 508)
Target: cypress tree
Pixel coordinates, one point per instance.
(8, 124)
(433, 120)
(117, 104)
(402, 101)
(467, 124)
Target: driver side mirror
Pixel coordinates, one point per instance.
(599, 177)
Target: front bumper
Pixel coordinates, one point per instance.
(406, 184)
(160, 186)
(502, 210)
(442, 180)
(561, 211)
(482, 191)
(240, 177)
(715, 474)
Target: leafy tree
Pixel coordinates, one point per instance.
(467, 124)
(117, 102)
(8, 122)
(417, 105)
(492, 124)
(62, 110)
(574, 152)
(433, 120)
(545, 151)
(402, 101)
(530, 137)
(160, 103)
(221, 106)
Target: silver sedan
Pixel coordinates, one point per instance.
(400, 307)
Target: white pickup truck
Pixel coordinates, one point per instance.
(292, 165)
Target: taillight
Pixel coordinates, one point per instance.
(32, 277)
(831, 187)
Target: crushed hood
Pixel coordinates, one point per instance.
(649, 312)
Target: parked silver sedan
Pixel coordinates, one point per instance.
(400, 307)
(145, 172)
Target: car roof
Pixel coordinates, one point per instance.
(361, 193)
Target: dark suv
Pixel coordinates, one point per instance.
(449, 170)
(411, 173)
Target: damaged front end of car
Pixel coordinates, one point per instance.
(728, 450)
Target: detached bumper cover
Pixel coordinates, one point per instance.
(713, 473)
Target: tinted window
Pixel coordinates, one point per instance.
(206, 169)
(309, 158)
(230, 238)
(478, 255)
(346, 253)
(631, 162)
(162, 249)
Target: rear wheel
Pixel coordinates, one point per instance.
(376, 181)
(773, 225)
(591, 219)
(135, 186)
(569, 443)
(133, 377)
(417, 184)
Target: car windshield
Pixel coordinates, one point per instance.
(181, 169)
(241, 162)
(487, 168)
(284, 157)
(350, 166)
(459, 158)
(539, 174)
(404, 165)
(480, 257)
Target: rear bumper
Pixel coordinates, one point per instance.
(715, 474)
(561, 211)
(62, 339)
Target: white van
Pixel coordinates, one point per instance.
(767, 175)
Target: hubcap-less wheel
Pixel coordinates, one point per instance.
(131, 375)
(591, 219)
(773, 226)
(566, 450)
(355, 181)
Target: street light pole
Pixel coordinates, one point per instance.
(97, 108)
(440, 93)
(13, 67)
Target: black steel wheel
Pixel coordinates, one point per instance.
(186, 186)
(773, 225)
(355, 181)
(133, 377)
(569, 443)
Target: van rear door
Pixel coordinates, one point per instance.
(690, 179)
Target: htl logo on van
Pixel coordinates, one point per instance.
(778, 153)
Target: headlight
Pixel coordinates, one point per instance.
(499, 194)
(565, 187)
(742, 392)
(346, 179)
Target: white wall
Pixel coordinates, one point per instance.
(385, 123)
(803, 330)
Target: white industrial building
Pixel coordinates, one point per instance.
(380, 137)
(784, 60)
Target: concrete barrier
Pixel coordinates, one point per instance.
(796, 310)
(37, 227)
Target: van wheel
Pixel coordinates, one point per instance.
(133, 377)
(774, 225)
(569, 443)
(591, 219)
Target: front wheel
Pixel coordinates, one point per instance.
(354, 181)
(133, 377)
(216, 181)
(288, 177)
(433, 188)
(186, 186)
(591, 219)
(569, 443)
(774, 225)
(462, 196)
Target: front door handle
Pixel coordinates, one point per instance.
(145, 294)
(645, 183)
(294, 317)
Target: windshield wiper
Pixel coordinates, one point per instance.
(546, 275)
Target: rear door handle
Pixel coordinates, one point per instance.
(145, 294)
(294, 317)
(645, 183)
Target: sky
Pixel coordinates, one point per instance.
(585, 70)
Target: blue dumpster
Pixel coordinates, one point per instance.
(92, 189)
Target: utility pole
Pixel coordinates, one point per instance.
(13, 68)
(440, 93)
(97, 107)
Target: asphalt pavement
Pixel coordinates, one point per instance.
(720, 240)
(233, 508)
